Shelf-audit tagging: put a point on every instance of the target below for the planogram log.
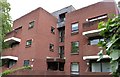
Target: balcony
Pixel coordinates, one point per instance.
(13, 36)
(11, 51)
(61, 24)
(9, 57)
(92, 33)
(89, 50)
(92, 25)
(12, 40)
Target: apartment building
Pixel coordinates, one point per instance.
(60, 43)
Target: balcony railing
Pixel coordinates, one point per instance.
(89, 50)
(93, 33)
(61, 24)
(11, 51)
(91, 25)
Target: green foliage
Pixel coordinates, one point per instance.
(5, 21)
(6, 72)
(111, 44)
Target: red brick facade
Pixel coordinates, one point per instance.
(45, 44)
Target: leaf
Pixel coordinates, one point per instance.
(115, 54)
(110, 44)
(114, 66)
(101, 25)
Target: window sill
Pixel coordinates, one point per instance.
(53, 32)
(74, 33)
(51, 50)
(30, 27)
(27, 46)
(75, 53)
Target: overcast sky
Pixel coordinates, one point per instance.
(21, 7)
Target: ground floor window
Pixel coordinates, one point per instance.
(55, 66)
(75, 68)
(26, 63)
(8, 63)
(100, 67)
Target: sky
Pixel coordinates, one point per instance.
(22, 7)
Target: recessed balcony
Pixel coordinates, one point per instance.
(92, 33)
(9, 57)
(12, 40)
(95, 57)
(61, 24)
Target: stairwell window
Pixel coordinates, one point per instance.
(74, 27)
(51, 47)
(28, 43)
(31, 24)
(75, 47)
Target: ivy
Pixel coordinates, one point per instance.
(6, 72)
(111, 44)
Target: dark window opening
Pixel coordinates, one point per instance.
(31, 24)
(54, 66)
(62, 17)
(61, 34)
(14, 44)
(26, 63)
(53, 30)
(51, 47)
(28, 43)
(8, 63)
(61, 51)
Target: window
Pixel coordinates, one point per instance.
(74, 27)
(61, 35)
(53, 30)
(62, 17)
(75, 47)
(31, 24)
(26, 62)
(54, 66)
(75, 68)
(29, 43)
(51, 47)
(101, 67)
(11, 63)
(61, 51)
(95, 41)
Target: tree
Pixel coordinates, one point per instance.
(111, 43)
(5, 22)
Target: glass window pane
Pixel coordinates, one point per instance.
(94, 42)
(29, 42)
(31, 24)
(74, 27)
(96, 67)
(75, 47)
(106, 67)
(75, 68)
(26, 62)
